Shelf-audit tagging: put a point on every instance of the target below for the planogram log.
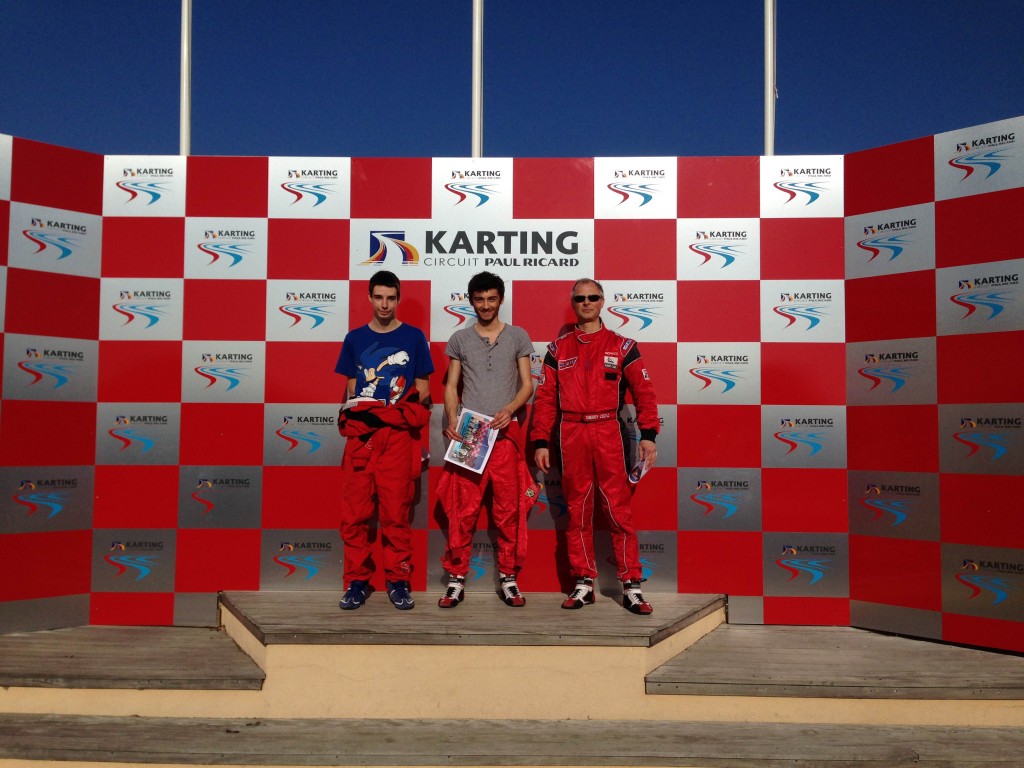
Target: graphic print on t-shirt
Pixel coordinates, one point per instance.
(383, 373)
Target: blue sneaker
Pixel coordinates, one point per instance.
(398, 593)
(355, 595)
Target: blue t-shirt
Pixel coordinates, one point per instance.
(384, 365)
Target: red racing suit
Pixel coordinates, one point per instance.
(383, 458)
(585, 380)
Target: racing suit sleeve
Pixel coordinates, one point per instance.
(644, 398)
(545, 402)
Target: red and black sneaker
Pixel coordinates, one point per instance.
(582, 595)
(455, 593)
(509, 591)
(633, 599)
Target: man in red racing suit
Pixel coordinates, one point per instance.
(586, 373)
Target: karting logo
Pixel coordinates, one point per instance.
(636, 308)
(299, 556)
(984, 293)
(213, 486)
(550, 495)
(719, 368)
(999, 581)
(305, 305)
(140, 304)
(390, 246)
(898, 509)
(460, 308)
(126, 432)
(56, 366)
(202, 486)
(814, 566)
(634, 185)
(141, 565)
(308, 185)
(724, 245)
(724, 496)
(290, 431)
(876, 371)
(59, 238)
(981, 433)
(808, 191)
(466, 185)
(808, 306)
(138, 183)
(537, 368)
(231, 375)
(989, 153)
(31, 497)
(232, 244)
(481, 560)
(791, 435)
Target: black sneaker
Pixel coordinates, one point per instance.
(400, 596)
(633, 599)
(355, 595)
(455, 593)
(582, 595)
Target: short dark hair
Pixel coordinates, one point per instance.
(485, 281)
(387, 279)
(583, 280)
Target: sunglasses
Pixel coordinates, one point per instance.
(592, 298)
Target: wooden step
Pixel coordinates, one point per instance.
(445, 742)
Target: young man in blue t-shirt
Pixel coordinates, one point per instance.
(387, 363)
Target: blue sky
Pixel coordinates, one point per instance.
(563, 78)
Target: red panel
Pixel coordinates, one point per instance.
(719, 310)
(303, 372)
(651, 512)
(439, 376)
(234, 310)
(543, 309)
(413, 306)
(802, 249)
(984, 510)
(51, 564)
(806, 500)
(991, 633)
(803, 374)
(5, 230)
(221, 434)
(306, 249)
(140, 372)
(136, 497)
(896, 572)
(891, 307)
(155, 609)
(631, 249)
(553, 188)
(719, 436)
(897, 438)
(812, 611)
(215, 560)
(47, 434)
(57, 177)
(978, 229)
(302, 497)
(227, 186)
(719, 187)
(717, 562)
(890, 177)
(546, 569)
(959, 360)
(49, 304)
(391, 188)
(143, 247)
(659, 359)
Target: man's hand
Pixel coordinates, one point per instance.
(542, 458)
(647, 451)
(501, 419)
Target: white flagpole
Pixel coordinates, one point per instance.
(478, 79)
(770, 90)
(185, 131)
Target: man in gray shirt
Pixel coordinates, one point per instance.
(491, 361)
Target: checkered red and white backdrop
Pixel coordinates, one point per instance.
(835, 342)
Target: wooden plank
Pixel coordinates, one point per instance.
(835, 662)
(127, 657)
(314, 618)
